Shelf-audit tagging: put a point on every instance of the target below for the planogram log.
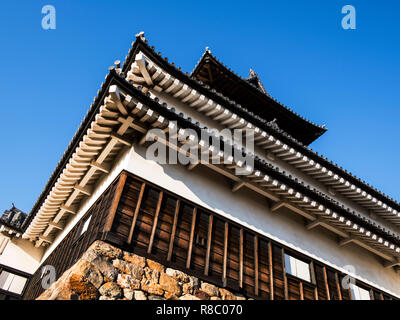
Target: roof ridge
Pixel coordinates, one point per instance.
(254, 75)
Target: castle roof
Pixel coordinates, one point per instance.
(251, 94)
(13, 218)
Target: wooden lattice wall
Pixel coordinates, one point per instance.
(140, 217)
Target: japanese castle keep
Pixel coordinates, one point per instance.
(112, 223)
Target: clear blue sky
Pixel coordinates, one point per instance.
(346, 79)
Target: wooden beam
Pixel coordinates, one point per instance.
(45, 239)
(120, 139)
(301, 292)
(68, 209)
(277, 206)
(373, 250)
(38, 243)
(316, 293)
(314, 279)
(241, 258)
(115, 202)
(100, 166)
(106, 151)
(209, 237)
(298, 210)
(56, 225)
(135, 78)
(136, 213)
(334, 229)
(193, 165)
(371, 294)
(141, 63)
(116, 98)
(314, 224)
(153, 230)
(271, 271)
(391, 264)
(129, 122)
(174, 224)
(345, 241)
(144, 139)
(189, 254)
(237, 185)
(328, 295)
(83, 190)
(225, 261)
(338, 286)
(256, 265)
(285, 286)
(312, 273)
(261, 191)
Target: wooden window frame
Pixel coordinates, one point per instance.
(18, 273)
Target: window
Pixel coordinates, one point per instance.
(12, 282)
(85, 225)
(359, 293)
(297, 268)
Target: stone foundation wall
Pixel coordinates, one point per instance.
(107, 273)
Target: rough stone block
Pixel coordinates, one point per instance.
(110, 289)
(210, 289)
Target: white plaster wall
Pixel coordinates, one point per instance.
(213, 191)
(22, 255)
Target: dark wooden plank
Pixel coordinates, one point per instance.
(135, 215)
(256, 265)
(226, 231)
(338, 286)
(285, 285)
(241, 259)
(301, 291)
(153, 230)
(312, 273)
(114, 206)
(371, 294)
(314, 279)
(328, 295)
(171, 242)
(348, 291)
(209, 236)
(316, 293)
(189, 255)
(271, 271)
